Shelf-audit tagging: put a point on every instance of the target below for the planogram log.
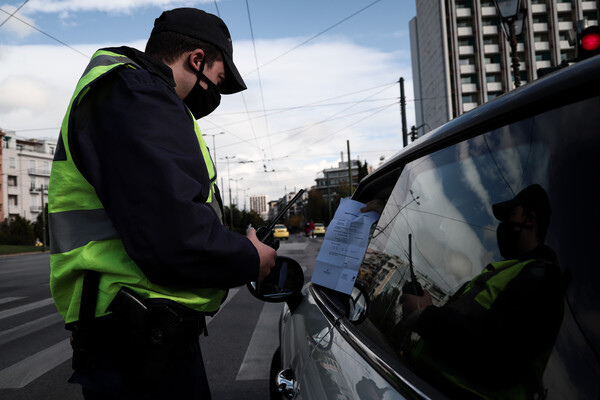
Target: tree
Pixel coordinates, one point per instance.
(38, 226)
(17, 232)
(363, 170)
(317, 206)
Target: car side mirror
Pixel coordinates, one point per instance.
(283, 283)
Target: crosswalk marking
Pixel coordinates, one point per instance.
(262, 345)
(9, 299)
(20, 374)
(29, 327)
(26, 307)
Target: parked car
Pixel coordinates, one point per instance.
(280, 232)
(319, 229)
(438, 226)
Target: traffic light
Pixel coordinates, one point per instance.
(588, 42)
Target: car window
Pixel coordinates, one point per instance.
(439, 220)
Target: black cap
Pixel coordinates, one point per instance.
(532, 198)
(208, 28)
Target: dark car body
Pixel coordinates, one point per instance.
(438, 193)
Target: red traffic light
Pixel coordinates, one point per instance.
(589, 42)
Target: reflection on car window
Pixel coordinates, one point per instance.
(439, 220)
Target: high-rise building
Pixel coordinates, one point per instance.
(260, 205)
(461, 57)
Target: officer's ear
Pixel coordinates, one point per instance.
(195, 59)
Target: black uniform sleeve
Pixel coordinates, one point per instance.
(134, 141)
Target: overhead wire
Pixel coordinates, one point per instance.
(316, 35)
(44, 33)
(13, 13)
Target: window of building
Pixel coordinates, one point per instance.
(32, 164)
(13, 200)
(540, 19)
(12, 163)
(12, 180)
(543, 56)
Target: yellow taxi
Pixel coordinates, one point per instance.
(280, 232)
(319, 229)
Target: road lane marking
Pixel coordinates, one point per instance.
(25, 308)
(22, 373)
(262, 345)
(25, 329)
(9, 299)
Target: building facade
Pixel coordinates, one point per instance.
(26, 165)
(461, 57)
(260, 205)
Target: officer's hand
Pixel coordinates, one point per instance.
(266, 253)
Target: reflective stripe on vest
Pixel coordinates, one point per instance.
(83, 237)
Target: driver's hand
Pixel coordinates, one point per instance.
(373, 205)
(266, 253)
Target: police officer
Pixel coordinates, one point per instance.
(493, 338)
(139, 253)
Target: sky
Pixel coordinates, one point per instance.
(321, 75)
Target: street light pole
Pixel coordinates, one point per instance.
(214, 147)
(230, 206)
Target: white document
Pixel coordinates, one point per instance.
(344, 247)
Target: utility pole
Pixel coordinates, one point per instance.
(403, 112)
(43, 219)
(349, 167)
(230, 203)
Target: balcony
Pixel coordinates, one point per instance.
(539, 46)
(565, 26)
(490, 30)
(490, 68)
(463, 12)
(543, 64)
(469, 106)
(467, 69)
(588, 5)
(35, 209)
(539, 8)
(491, 48)
(488, 11)
(560, 7)
(469, 88)
(494, 86)
(540, 27)
(465, 50)
(465, 31)
(38, 172)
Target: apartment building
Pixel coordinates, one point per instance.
(260, 205)
(461, 57)
(26, 165)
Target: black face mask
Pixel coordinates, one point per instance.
(508, 238)
(200, 101)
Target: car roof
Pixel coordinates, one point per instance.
(558, 88)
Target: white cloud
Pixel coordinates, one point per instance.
(315, 99)
(13, 25)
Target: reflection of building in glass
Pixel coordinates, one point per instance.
(382, 272)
